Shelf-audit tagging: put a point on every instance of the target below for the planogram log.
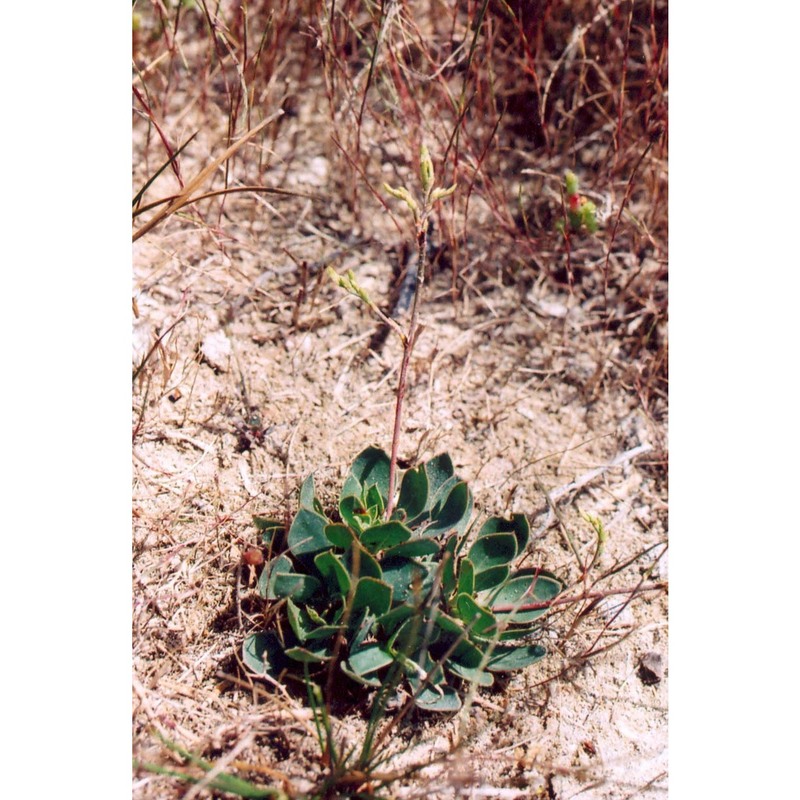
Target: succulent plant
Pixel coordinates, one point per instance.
(416, 591)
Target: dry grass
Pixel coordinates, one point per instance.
(542, 359)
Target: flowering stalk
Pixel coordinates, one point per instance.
(421, 212)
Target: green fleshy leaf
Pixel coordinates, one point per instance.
(405, 641)
(323, 632)
(449, 571)
(324, 628)
(483, 622)
(410, 580)
(351, 509)
(466, 577)
(305, 624)
(413, 493)
(436, 500)
(465, 661)
(415, 548)
(372, 594)
(293, 613)
(351, 488)
(371, 468)
(387, 534)
(269, 528)
(307, 497)
(507, 659)
(369, 659)
(438, 470)
(306, 655)
(528, 585)
(375, 504)
(339, 535)
(392, 620)
(266, 581)
(436, 696)
(263, 654)
(334, 573)
(361, 628)
(307, 535)
(314, 617)
(450, 625)
(372, 681)
(440, 698)
(361, 564)
(422, 664)
(491, 554)
(356, 513)
(518, 525)
(453, 514)
(295, 586)
(489, 578)
(493, 550)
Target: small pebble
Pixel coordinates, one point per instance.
(651, 668)
(216, 350)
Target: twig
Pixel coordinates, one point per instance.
(625, 199)
(556, 514)
(574, 486)
(173, 162)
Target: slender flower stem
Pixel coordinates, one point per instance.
(430, 196)
(408, 346)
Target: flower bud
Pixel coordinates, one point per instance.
(572, 182)
(425, 169)
(440, 194)
(403, 194)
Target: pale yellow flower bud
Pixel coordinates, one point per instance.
(440, 194)
(425, 169)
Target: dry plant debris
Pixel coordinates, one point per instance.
(262, 135)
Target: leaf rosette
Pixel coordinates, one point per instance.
(418, 592)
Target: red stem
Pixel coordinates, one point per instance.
(560, 601)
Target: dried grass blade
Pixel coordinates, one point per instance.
(185, 197)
